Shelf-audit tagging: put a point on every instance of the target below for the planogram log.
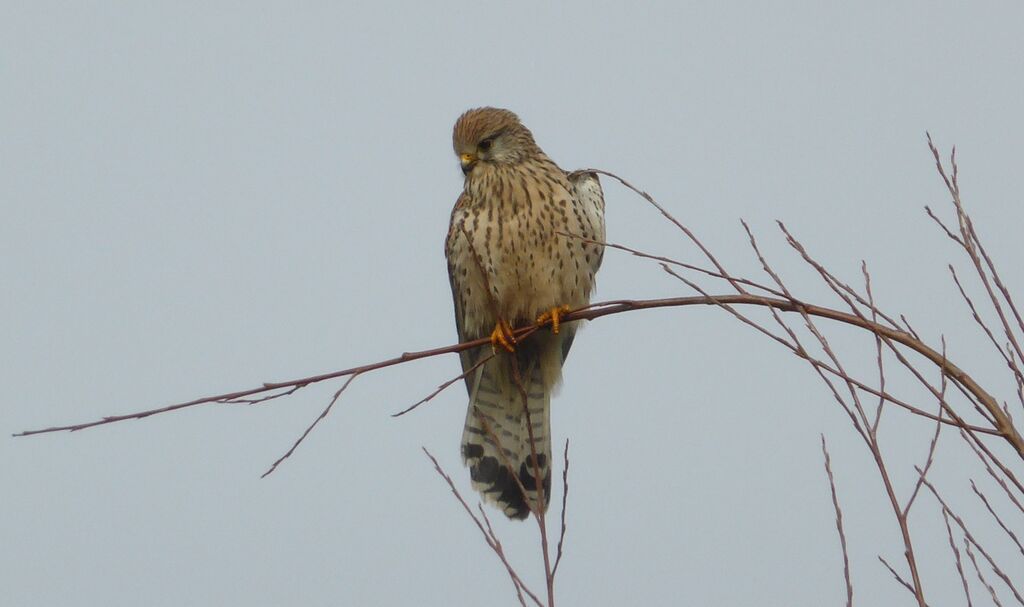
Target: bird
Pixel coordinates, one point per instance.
(523, 247)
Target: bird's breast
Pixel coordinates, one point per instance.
(520, 263)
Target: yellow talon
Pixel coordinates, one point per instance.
(554, 317)
(502, 335)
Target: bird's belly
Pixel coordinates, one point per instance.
(535, 279)
(517, 268)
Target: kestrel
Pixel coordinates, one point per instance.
(510, 265)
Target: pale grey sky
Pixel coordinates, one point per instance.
(200, 199)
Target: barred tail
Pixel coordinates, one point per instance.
(496, 417)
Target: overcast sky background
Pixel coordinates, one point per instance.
(197, 200)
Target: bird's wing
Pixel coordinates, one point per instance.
(467, 357)
(586, 189)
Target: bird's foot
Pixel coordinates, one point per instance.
(553, 317)
(503, 336)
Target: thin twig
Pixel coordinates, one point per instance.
(262, 399)
(981, 577)
(565, 497)
(897, 576)
(999, 520)
(670, 261)
(1000, 419)
(931, 447)
(689, 233)
(1005, 354)
(316, 421)
(956, 556)
(970, 539)
(538, 509)
(878, 348)
(490, 538)
(985, 455)
(839, 523)
(871, 440)
(942, 225)
(972, 246)
(442, 387)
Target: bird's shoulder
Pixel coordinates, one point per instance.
(586, 189)
(455, 222)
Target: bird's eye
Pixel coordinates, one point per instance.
(485, 145)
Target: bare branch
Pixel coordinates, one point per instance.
(956, 556)
(945, 229)
(689, 234)
(981, 577)
(1006, 529)
(985, 455)
(673, 262)
(931, 447)
(878, 348)
(565, 497)
(598, 310)
(969, 539)
(538, 482)
(443, 386)
(839, 523)
(972, 246)
(899, 579)
(1005, 354)
(488, 533)
(316, 421)
(262, 399)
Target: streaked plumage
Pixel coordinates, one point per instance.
(506, 222)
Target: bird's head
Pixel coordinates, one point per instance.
(492, 136)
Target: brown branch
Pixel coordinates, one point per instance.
(931, 447)
(565, 497)
(819, 365)
(972, 246)
(1015, 364)
(956, 556)
(443, 386)
(592, 312)
(942, 225)
(845, 292)
(910, 329)
(670, 261)
(269, 386)
(969, 540)
(488, 533)
(518, 583)
(309, 429)
(985, 454)
(848, 295)
(897, 576)
(262, 399)
(689, 234)
(537, 506)
(839, 523)
(995, 277)
(988, 506)
(878, 348)
(1006, 355)
(1000, 419)
(981, 577)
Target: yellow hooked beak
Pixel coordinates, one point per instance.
(467, 160)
